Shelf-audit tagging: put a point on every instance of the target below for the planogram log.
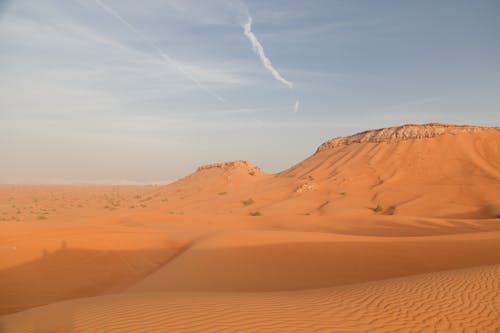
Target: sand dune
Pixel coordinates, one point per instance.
(451, 301)
(387, 230)
(267, 261)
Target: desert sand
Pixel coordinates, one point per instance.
(389, 230)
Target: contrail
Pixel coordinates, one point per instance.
(296, 106)
(257, 47)
(166, 58)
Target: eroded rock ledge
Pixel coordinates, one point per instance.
(229, 165)
(400, 133)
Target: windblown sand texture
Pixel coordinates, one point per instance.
(390, 230)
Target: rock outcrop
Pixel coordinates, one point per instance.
(404, 132)
(231, 165)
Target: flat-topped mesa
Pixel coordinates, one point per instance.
(245, 165)
(400, 133)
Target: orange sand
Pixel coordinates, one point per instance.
(391, 230)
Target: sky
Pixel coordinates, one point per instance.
(126, 91)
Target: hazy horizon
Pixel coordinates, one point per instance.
(108, 92)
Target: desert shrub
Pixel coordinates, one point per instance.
(248, 202)
(222, 193)
(256, 213)
(390, 211)
(378, 209)
(252, 173)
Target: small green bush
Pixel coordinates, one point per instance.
(256, 213)
(378, 209)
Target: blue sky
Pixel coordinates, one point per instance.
(169, 85)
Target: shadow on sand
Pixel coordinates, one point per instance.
(68, 273)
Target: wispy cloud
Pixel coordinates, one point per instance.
(259, 49)
(164, 56)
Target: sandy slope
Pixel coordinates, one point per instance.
(452, 301)
(454, 174)
(318, 256)
(276, 260)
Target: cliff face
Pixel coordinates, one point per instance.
(400, 133)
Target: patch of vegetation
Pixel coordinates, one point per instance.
(256, 213)
(248, 202)
(222, 193)
(390, 211)
(112, 204)
(343, 193)
(378, 208)
(252, 173)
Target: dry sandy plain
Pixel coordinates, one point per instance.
(391, 230)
